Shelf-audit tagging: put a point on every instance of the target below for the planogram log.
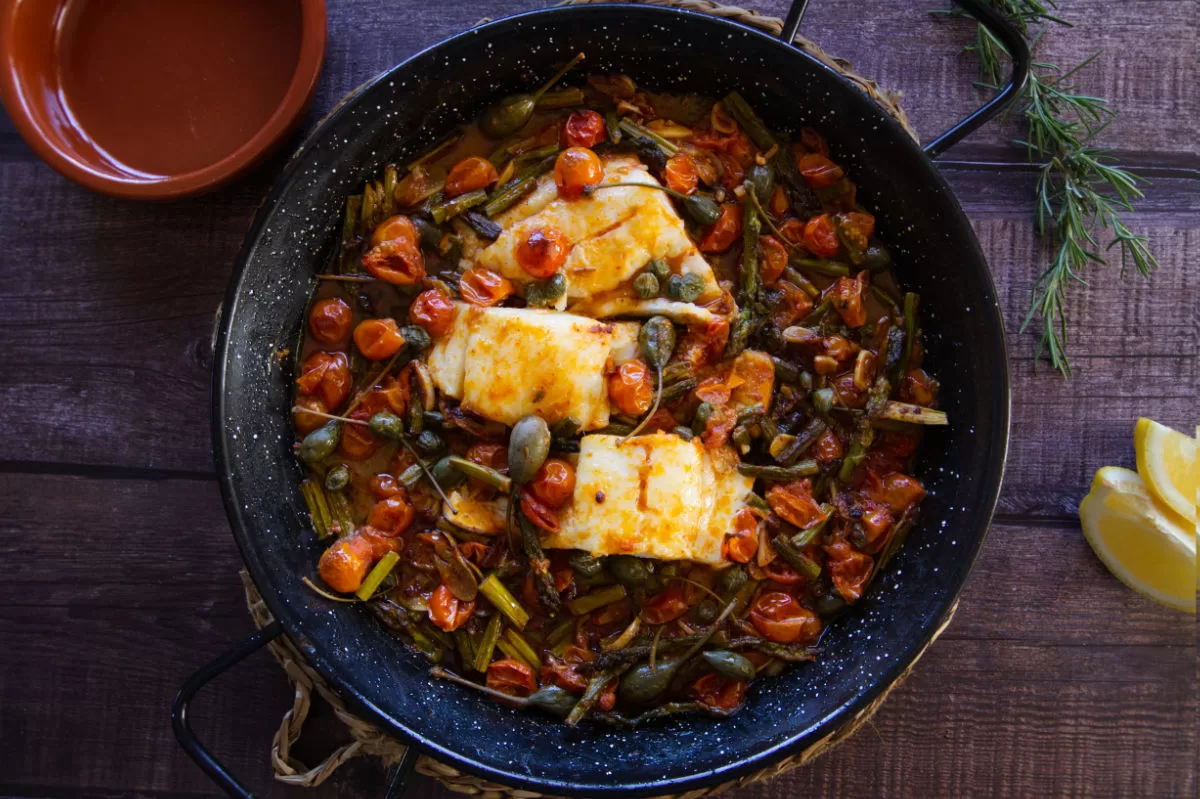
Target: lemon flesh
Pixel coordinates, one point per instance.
(1146, 548)
(1166, 460)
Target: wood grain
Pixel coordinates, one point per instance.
(1053, 679)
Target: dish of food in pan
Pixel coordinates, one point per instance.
(609, 402)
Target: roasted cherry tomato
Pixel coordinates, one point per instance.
(576, 168)
(536, 511)
(329, 321)
(918, 387)
(511, 677)
(820, 237)
(631, 388)
(448, 612)
(346, 563)
(393, 515)
(432, 310)
(717, 692)
(554, 483)
(793, 230)
(793, 502)
(395, 256)
(719, 426)
(857, 227)
(307, 422)
(395, 228)
(828, 447)
(720, 235)
(681, 173)
(584, 128)
(358, 442)
(484, 287)
(542, 252)
(779, 617)
(470, 174)
(664, 607)
(325, 375)
(384, 486)
(791, 305)
(494, 456)
(847, 295)
(818, 171)
(897, 491)
(779, 571)
(849, 570)
(774, 259)
(378, 339)
(741, 545)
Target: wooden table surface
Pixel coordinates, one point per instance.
(1052, 680)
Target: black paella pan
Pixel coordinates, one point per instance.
(415, 104)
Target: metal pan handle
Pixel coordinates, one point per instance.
(999, 27)
(204, 758)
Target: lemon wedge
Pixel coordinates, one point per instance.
(1146, 548)
(1166, 460)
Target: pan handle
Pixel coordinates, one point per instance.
(999, 27)
(204, 758)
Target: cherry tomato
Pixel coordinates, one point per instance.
(494, 456)
(664, 607)
(565, 672)
(774, 259)
(918, 387)
(448, 612)
(346, 563)
(537, 512)
(393, 515)
(791, 305)
(717, 692)
(307, 422)
(390, 395)
(384, 486)
(846, 393)
(378, 339)
(720, 235)
(813, 142)
(631, 388)
(779, 571)
(681, 173)
(543, 251)
(793, 231)
(793, 502)
(470, 174)
(398, 262)
(818, 171)
(484, 287)
(432, 310)
(511, 677)
(820, 237)
(329, 321)
(326, 375)
(719, 426)
(828, 447)
(395, 228)
(849, 570)
(899, 491)
(358, 442)
(858, 227)
(554, 483)
(584, 128)
(733, 175)
(847, 294)
(576, 168)
(779, 617)
(741, 545)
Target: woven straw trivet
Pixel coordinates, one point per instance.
(368, 739)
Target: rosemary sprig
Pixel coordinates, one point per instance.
(1079, 192)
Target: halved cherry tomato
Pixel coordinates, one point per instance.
(543, 251)
(384, 486)
(828, 447)
(378, 339)
(393, 515)
(432, 310)
(537, 512)
(448, 612)
(470, 174)
(565, 672)
(918, 387)
(307, 422)
(774, 259)
(717, 692)
(329, 321)
(584, 128)
(849, 569)
(484, 453)
(326, 375)
(779, 571)
(793, 502)
(721, 234)
(779, 617)
(847, 295)
(664, 607)
(344, 565)
(818, 171)
(820, 237)
(484, 287)
(681, 173)
(576, 168)
(741, 544)
(791, 306)
(358, 442)
(511, 677)
(793, 230)
(897, 491)
(390, 395)
(554, 483)
(631, 388)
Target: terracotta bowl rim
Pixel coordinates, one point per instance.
(293, 104)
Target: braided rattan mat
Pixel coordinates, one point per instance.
(370, 740)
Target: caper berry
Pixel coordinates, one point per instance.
(554, 700)
(585, 564)
(554, 287)
(386, 424)
(630, 571)
(645, 286)
(732, 579)
(320, 443)
(704, 412)
(446, 475)
(507, 116)
(707, 611)
(528, 448)
(534, 296)
(730, 665)
(656, 341)
(702, 209)
(762, 180)
(430, 443)
(337, 478)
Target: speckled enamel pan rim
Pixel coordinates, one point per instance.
(326, 662)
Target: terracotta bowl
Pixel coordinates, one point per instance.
(126, 137)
